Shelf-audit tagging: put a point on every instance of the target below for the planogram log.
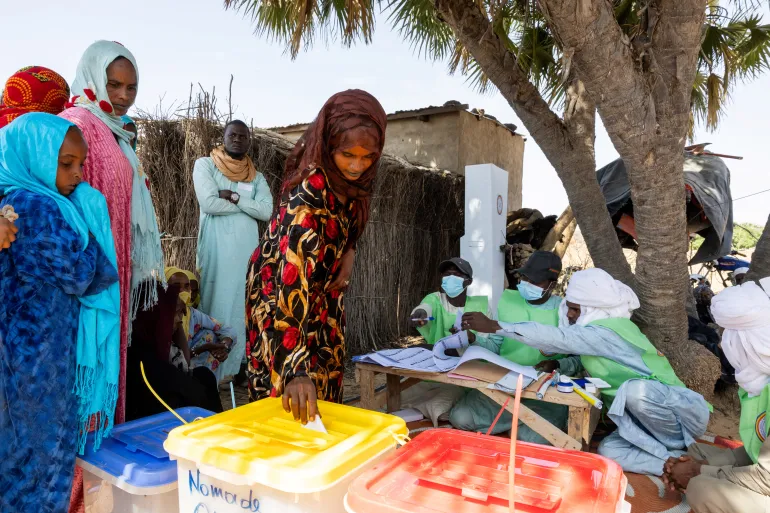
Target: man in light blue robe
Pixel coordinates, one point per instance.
(656, 415)
(232, 196)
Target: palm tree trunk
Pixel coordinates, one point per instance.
(644, 104)
(760, 260)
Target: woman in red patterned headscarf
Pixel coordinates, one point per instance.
(33, 89)
(295, 316)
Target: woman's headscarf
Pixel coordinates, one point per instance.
(153, 328)
(33, 89)
(344, 111)
(171, 271)
(90, 88)
(599, 295)
(29, 154)
(744, 312)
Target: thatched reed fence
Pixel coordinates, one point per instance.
(416, 219)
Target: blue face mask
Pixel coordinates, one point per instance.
(452, 285)
(530, 292)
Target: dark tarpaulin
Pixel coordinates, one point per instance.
(709, 179)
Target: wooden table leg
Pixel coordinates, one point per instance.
(590, 420)
(394, 392)
(575, 423)
(366, 382)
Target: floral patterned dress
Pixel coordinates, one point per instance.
(295, 324)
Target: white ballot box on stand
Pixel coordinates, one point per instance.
(486, 212)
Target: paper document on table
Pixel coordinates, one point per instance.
(479, 353)
(458, 342)
(425, 360)
(508, 382)
(411, 358)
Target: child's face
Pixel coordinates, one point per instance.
(72, 155)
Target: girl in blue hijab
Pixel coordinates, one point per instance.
(59, 324)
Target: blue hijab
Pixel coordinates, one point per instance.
(29, 155)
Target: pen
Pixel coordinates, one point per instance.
(593, 401)
(425, 319)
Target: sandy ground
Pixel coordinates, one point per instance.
(724, 425)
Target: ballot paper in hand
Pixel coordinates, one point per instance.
(316, 425)
(458, 325)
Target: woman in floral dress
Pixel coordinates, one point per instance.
(295, 312)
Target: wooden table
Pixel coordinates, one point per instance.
(582, 416)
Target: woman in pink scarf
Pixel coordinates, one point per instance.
(105, 87)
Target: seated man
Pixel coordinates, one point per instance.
(435, 317)
(533, 301)
(656, 415)
(722, 480)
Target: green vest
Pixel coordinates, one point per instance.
(615, 373)
(439, 328)
(514, 308)
(753, 426)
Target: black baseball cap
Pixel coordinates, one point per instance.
(462, 265)
(541, 266)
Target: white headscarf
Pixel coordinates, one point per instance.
(744, 312)
(90, 88)
(599, 295)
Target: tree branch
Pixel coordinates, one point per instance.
(604, 61)
(473, 28)
(568, 145)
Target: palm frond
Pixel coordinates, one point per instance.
(417, 22)
(296, 23)
(752, 47)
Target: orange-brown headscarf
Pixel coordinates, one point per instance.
(348, 110)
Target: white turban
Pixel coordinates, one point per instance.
(744, 312)
(599, 295)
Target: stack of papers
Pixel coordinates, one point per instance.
(476, 363)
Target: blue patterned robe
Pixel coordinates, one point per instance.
(41, 277)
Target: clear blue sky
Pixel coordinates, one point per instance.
(179, 42)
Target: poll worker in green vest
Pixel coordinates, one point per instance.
(532, 301)
(656, 415)
(736, 481)
(435, 317)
